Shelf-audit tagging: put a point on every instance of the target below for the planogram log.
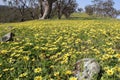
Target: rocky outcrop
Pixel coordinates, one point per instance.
(86, 68)
(7, 37)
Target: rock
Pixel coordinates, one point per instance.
(8, 37)
(86, 68)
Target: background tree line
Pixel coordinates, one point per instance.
(102, 8)
(21, 10)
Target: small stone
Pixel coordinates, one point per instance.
(8, 37)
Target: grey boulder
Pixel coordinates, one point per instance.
(8, 37)
(86, 68)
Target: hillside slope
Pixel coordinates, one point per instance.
(48, 49)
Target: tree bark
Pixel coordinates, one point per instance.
(50, 10)
(59, 10)
(46, 6)
(41, 10)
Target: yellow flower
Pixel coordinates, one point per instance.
(13, 54)
(36, 47)
(0, 75)
(118, 69)
(16, 79)
(56, 73)
(4, 51)
(52, 49)
(4, 70)
(0, 64)
(33, 59)
(11, 69)
(42, 55)
(52, 66)
(68, 72)
(38, 78)
(96, 51)
(106, 56)
(118, 60)
(23, 74)
(36, 35)
(37, 70)
(117, 56)
(110, 72)
(106, 68)
(28, 44)
(72, 78)
(17, 55)
(78, 41)
(25, 58)
(11, 60)
(51, 79)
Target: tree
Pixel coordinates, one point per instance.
(89, 9)
(22, 9)
(45, 8)
(104, 8)
(69, 7)
(25, 7)
(80, 9)
(63, 7)
(19, 4)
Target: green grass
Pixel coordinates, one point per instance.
(48, 49)
(84, 16)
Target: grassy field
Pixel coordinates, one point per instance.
(48, 49)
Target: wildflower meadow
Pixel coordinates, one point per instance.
(48, 49)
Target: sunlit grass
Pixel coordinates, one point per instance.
(48, 49)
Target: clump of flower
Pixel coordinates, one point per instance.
(37, 70)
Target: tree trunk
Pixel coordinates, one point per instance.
(46, 8)
(50, 10)
(59, 10)
(41, 8)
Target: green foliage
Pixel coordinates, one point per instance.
(47, 50)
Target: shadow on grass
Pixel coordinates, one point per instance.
(85, 18)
